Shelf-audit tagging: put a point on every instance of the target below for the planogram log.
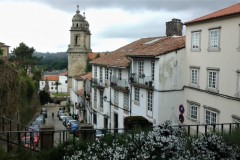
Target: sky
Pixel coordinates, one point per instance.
(45, 24)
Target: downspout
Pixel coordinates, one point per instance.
(130, 86)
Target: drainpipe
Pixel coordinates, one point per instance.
(110, 101)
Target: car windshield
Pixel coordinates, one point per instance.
(98, 131)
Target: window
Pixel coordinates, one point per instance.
(95, 118)
(196, 40)
(238, 83)
(106, 73)
(194, 76)
(140, 69)
(212, 83)
(214, 39)
(95, 95)
(120, 74)
(95, 71)
(152, 70)
(150, 100)
(193, 110)
(125, 100)
(211, 117)
(101, 101)
(116, 97)
(101, 75)
(42, 83)
(136, 94)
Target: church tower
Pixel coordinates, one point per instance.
(80, 45)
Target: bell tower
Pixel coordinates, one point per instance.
(80, 45)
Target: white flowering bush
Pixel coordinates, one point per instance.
(162, 142)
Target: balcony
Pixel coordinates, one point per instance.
(119, 84)
(141, 81)
(98, 83)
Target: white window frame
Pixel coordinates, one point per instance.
(214, 39)
(149, 103)
(211, 115)
(140, 68)
(106, 73)
(152, 69)
(196, 41)
(194, 76)
(136, 94)
(116, 97)
(95, 72)
(193, 111)
(238, 84)
(120, 74)
(101, 101)
(238, 48)
(126, 101)
(212, 79)
(101, 74)
(95, 95)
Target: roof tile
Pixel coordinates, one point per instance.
(151, 47)
(229, 11)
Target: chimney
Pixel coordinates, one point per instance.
(174, 27)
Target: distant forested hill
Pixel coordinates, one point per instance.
(52, 61)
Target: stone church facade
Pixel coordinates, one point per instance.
(80, 45)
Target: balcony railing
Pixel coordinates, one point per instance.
(141, 79)
(98, 82)
(119, 82)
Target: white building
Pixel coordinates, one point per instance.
(78, 95)
(139, 79)
(212, 68)
(56, 83)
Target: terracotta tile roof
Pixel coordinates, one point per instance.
(50, 78)
(84, 76)
(93, 55)
(150, 47)
(229, 11)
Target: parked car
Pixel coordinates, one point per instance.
(74, 128)
(99, 134)
(42, 117)
(66, 119)
(44, 112)
(63, 115)
(30, 139)
(28, 142)
(60, 112)
(38, 123)
(70, 122)
(34, 128)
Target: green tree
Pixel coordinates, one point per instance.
(24, 56)
(1, 52)
(57, 84)
(44, 97)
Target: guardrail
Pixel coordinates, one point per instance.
(59, 136)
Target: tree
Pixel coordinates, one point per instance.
(44, 97)
(24, 56)
(57, 84)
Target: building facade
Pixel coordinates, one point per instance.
(5, 50)
(212, 68)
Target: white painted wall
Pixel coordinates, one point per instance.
(227, 60)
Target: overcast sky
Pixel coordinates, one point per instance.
(45, 24)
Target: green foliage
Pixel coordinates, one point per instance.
(1, 52)
(52, 61)
(234, 137)
(44, 97)
(24, 56)
(89, 66)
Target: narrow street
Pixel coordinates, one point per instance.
(59, 134)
